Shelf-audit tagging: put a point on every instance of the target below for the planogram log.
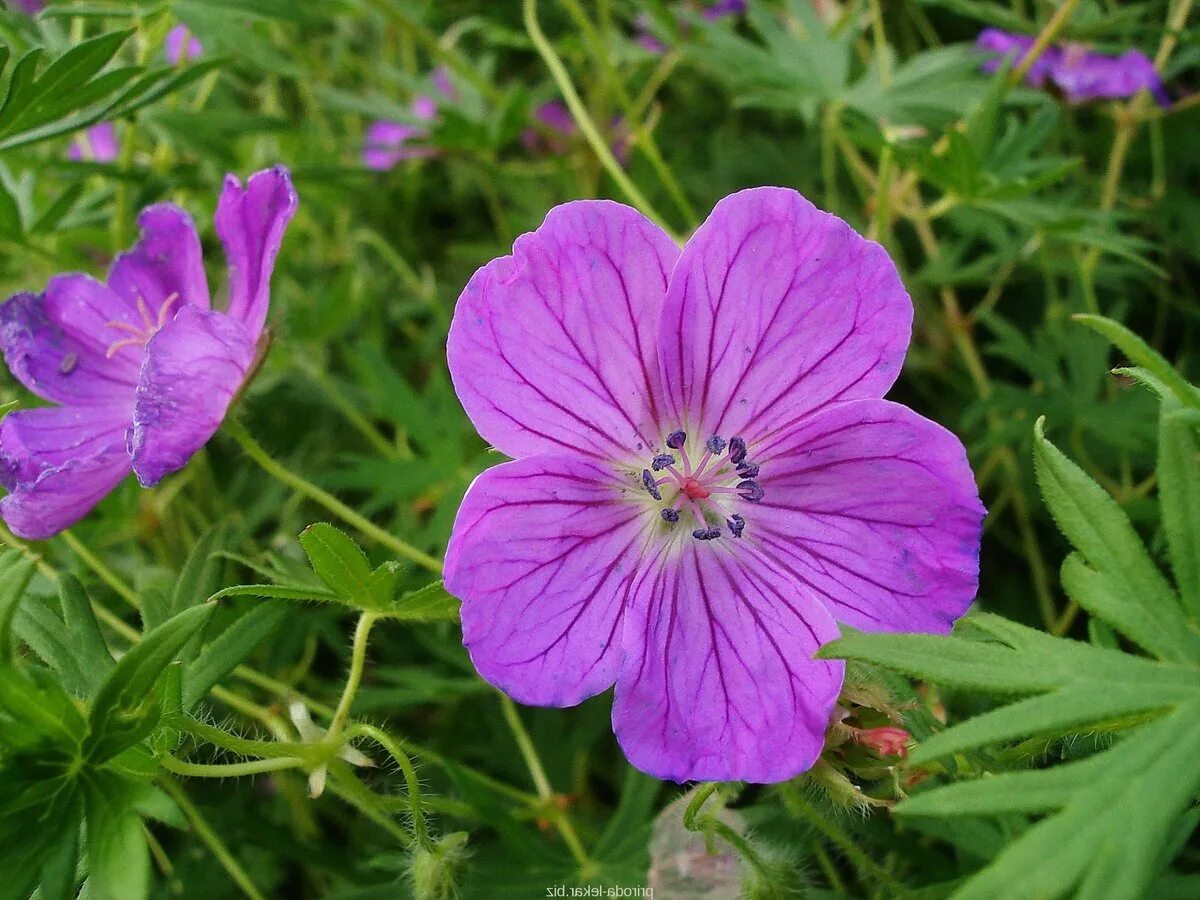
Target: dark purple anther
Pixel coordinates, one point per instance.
(750, 490)
(748, 470)
(676, 440)
(662, 461)
(715, 444)
(706, 534)
(648, 481)
(736, 525)
(737, 450)
(670, 515)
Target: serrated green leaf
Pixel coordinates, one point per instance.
(1097, 526)
(1179, 499)
(337, 560)
(125, 710)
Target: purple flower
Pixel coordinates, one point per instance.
(388, 143)
(1083, 75)
(142, 369)
(723, 8)
(29, 7)
(181, 45)
(706, 478)
(1000, 45)
(559, 129)
(1079, 73)
(97, 144)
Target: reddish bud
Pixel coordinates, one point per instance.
(886, 741)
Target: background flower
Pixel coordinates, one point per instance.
(181, 46)
(98, 144)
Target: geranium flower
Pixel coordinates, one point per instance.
(386, 143)
(30, 7)
(705, 479)
(96, 144)
(645, 37)
(1081, 74)
(181, 45)
(142, 369)
(554, 116)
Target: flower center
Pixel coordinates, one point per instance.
(707, 492)
(140, 337)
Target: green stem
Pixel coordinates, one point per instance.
(416, 810)
(107, 575)
(580, 114)
(280, 472)
(211, 839)
(231, 770)
(881, 48)
(540, 782)
(358, 658)
(868, 869)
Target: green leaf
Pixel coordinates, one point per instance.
(83, 633)
(1144, 355)
(1124, 586)
(428, 604)
(1179, 498)
(125, 709)
(229, 649)
(15, 574)
(338, 561)
(118, 854)
(197, 579)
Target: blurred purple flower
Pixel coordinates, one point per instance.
(181, 46)
(706, 478)
(645, 37)
(722, 8)
(559, 128)
(387, 143)
(142, 369)
(96, 144)
(1084, 75)
(1080, 74)
(30, 7)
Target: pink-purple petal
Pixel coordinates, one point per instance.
(35, 440)
(554, 347)
(873, 511)
(776, 310)
(164, 269)
(193, 369)
(56, 343)
(719, 682)
(543, 556)
(61, 496)
(251, 221)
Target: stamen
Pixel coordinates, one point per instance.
(676, 440)
(144, 312)
(737, 450)
(736, 525)
(166, 307)
(748, 470)
(715, 444)
(670, 515)
(127, 342)
(706, 534)
(750, 490)
(648, 481)
(661, 461)
(126, 327)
